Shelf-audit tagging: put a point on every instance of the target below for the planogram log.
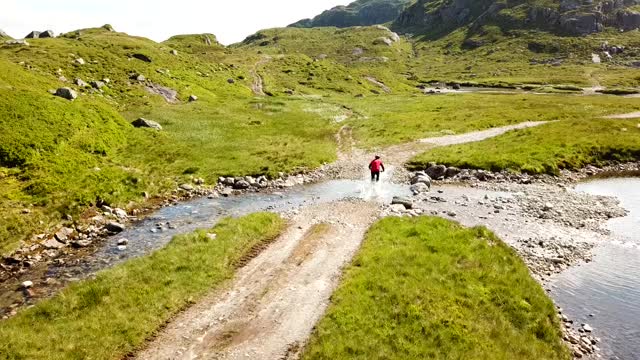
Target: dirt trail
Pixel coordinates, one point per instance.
(257, 86)
(479, 135)
(270, 308)
(633, 115)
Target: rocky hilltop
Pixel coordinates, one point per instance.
(358, 13)
(562, 17)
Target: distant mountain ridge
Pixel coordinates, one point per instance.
(564, 17)
(358, 13)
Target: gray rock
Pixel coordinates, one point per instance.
(120, 213)
(20, 42)
(66, 93)
(407, 203)
(193, 98)
(436, 171)
(231, 81)
(47, 34)
(81, 243)
(144, 123)
(174, 52)
(587, 328)
(138, 77)
(79, 61)
(451, 172)
(115, 227)
(97, 84)
(79, 82)
(241, 185)
(123, 242)
(33, 35)
(142, 57)
(27, 284)
(419, 188)
(383, 41)
(53, 244)
(186, 187)
(63, 234)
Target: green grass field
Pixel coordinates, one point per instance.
(546, 149)
(388, 120)
(427, 288)
(112, 315)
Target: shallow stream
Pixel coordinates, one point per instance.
(605, 293)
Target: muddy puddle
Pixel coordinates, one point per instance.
(606, 292)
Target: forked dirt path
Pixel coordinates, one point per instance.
(272, 305)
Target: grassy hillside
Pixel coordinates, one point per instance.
(428, 288)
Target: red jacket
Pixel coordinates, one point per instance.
(376, 165)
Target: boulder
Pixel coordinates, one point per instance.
(142, 57)
(47, 34)
(79, 61)
(53, 244)
(231, 81)
(419, 188)
(144, 123)
(383, 41)
(456, 87)
(241, 185)
(398, 200)
(451, 172)
(108, 27)
(186, 187)
(79, 82)
(138, 77)
(120, 213)
(97, 84)
(193, 98)
(115, 227)
(63, 234)
(436, 171)
(421, 178)
(123, 242)
(33, 35)
(66, 93)
(174, 52)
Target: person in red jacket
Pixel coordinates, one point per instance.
(375, 166)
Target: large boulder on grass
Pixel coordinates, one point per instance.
(144, 123)
(66, 93)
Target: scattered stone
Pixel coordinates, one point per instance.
(120, 213)
(587, 328)
(53, 244)
(81, 243)
(419, 188)
(66, 93)
(241, 185)
(122, 247)
(436, 171)
(186, 187)
(79, 61)
(231, 81)
(138, 77)
(115, 227)
(142, 57)
(193, 98)
(144, 123)
(383, 41)
(27, 284)
(123, 242)
(79, 82)
(97, 84)
(407, 203)
(174, 52)
(63, 234)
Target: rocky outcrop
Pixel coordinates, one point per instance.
(4, 35)
(358, 13)
(66, 93)
(566, 17)
(144, 123)
(40, 35)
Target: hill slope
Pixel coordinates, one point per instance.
(358, 13)
(564, 17)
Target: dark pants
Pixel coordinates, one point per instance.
(375, 176)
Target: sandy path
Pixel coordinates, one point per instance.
(271, 306)
(633, 115)
(479, 135)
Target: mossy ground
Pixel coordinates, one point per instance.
(113, 314)
(429, 288)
